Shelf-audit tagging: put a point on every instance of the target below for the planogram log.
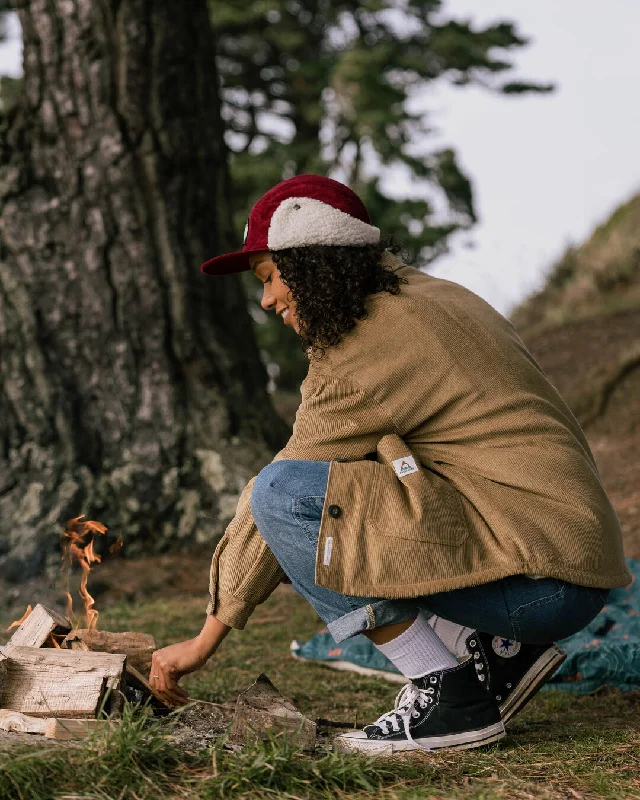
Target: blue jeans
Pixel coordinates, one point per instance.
(287, 503)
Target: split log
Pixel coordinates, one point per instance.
(38, 626)
(66, 729)
(262, 709)
(15, 722)
(61, 683)
(51, 728)
(138, 647)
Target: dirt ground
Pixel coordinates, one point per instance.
(580, 358)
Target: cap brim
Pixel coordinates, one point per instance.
(228, 263)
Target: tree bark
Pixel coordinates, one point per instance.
(131, 388)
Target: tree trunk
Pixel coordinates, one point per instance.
(130, 385)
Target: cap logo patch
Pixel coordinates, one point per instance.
(506, 648)
(404, 466)
(246, 233)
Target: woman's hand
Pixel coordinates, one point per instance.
(171, 663)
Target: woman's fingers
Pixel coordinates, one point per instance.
(164, 681)
(173, 698)
(166, 687)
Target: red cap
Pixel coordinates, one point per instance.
(300, 212)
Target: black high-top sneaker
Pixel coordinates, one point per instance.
(446, 709)
(512, 672)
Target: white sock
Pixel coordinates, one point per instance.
(418, 651)
(453, 635)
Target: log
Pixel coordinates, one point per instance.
(138, 647)
(261, 710)
(3, 669)
(38, 626)
(15, 722)
(50, 727)
(61, 683)
(66, 729)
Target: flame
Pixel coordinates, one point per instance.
(16, 623)
(77, 549)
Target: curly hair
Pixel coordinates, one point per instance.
(331, 284)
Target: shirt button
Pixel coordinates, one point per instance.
(334, 511)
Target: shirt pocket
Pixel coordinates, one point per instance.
(409, 501)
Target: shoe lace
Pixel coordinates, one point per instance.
(408, 700)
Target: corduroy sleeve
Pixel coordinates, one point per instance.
(335, 420)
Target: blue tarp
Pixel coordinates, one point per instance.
(605, 653)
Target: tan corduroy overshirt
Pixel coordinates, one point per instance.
(507, 486)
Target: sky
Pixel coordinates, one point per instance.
(546, 169)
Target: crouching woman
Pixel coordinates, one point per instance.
(436, 495)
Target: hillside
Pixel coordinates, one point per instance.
(600, 276)
(584, 329)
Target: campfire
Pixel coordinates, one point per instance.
(59, 675)
(62, 677)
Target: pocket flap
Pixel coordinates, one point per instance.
(394, 452)
(413, 502)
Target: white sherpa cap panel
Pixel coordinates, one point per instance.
(304, 221)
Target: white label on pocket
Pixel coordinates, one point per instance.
(404, 466)
(328, 548)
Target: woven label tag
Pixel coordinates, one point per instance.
(328, 549)
(404, 466)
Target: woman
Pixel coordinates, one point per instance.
(432, 468)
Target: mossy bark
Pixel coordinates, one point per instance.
(130, 385)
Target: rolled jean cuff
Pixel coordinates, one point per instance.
(373, 615)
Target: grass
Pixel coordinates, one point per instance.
(562, 746)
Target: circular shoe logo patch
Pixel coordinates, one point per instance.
(506, 648)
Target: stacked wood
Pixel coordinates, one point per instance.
(66, 729)
(44, 682)
(15, 722)
(138, 647)
(36, 629)
(50, 727)
(262, 709)
(55, 682)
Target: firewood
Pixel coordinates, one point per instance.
(138, 647)
(66, 729)
(15, 722)
(62, 683)
(262, 709)
(38, 626)
(50, 727)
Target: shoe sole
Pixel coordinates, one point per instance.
(532, 681)
(453, 741)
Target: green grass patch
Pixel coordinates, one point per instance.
(136, 757)
(271, 768)
(562, 747)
